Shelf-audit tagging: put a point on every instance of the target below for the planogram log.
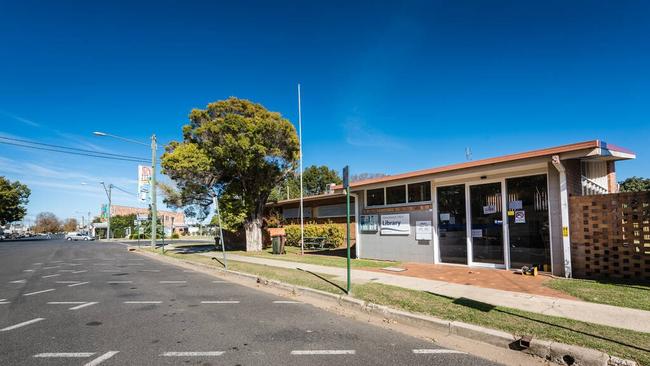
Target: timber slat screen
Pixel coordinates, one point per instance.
(610, 236)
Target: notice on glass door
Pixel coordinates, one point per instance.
(520, 217)
(477, 233)
(490, 209)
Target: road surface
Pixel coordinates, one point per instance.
(92, 303)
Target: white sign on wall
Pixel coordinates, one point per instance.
(423, 230)
(395, 224)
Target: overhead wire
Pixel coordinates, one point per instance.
(137, 160)
(70, 148)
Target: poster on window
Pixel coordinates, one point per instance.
(369, 223)
(395, 224)
(490, 209)
(423, 230)
(520, 217)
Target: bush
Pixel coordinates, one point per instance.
(175, 236)
(333, 233)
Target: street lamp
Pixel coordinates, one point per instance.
(154, 212)
(108, 221)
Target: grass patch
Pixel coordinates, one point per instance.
(330, 260)
(615, 341)
(624, 294)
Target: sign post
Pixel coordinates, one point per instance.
(346, 186)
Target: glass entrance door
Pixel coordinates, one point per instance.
(452, 224)
(486, 210)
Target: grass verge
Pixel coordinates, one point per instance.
(615, 341)
(331, 259)
(629, 295)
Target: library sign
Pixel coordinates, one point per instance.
(395, 224)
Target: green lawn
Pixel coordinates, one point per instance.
(618, 342)
(331, 260)
(628, 295)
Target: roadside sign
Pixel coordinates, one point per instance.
(142, 217)
(346, 177)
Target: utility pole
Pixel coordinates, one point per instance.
(346, 186)
(154, 213)
(108, 220)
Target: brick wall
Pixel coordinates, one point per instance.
(610, 236)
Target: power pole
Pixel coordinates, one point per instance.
(346, 186)
(108, 215)
(154, 213)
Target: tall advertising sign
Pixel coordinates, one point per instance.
(144, 183)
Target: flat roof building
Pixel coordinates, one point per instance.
(504, 212)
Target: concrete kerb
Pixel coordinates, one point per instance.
(558, 353)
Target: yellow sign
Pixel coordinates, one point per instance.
(565, 231)
(511, 212)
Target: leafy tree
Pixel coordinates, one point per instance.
(635, 184)
(47, 222)
(14, 197)
(364, 176)
(315, 180)
(120, 223)
(237, 150)
(70, 224)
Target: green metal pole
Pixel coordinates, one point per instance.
(348, 232)
(154, 213)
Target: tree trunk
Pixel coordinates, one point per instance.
(253, 235)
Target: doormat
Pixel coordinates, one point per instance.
(394, 269)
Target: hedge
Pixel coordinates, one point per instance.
(333, 233)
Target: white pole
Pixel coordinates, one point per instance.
(302, 225)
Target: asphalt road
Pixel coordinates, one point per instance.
(91, 303)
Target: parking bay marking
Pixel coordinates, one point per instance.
(172, 281)
(18, 281)
(102, 358)
(437, 351)
(195, 354)
(64, 354)
(52, 275)
(12, 327)
(38, 292)
(81, 271)
(78, 284)
(80, 304)
(220, 302)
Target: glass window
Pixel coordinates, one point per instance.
(420, 192)
(395, 195)
(375, 197)
(452, 228)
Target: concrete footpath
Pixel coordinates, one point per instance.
(614, 316)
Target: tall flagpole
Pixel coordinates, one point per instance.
(302, 225)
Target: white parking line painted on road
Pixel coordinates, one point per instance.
(28, 270)
(219, 281)
(65, 302)
(436, 351)
(114, 282)
(220, 302)
(64, 355)
(79, 259)
(286, 302)
(102, 358)
(18, 281)
(4, 302)
(36, 320)
(66, 270)
(72, 264)
(80, 271)
(172, 281)
(143, 302)
(325, 352)
(67, 281)
(149, 270)
(195, 354)
(38, 292)
(52, 275)
(78, 284)
(83, 305)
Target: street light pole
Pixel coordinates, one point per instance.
(154, 213)
(108, 221)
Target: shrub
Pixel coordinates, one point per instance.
(333, 233)
(175, 236)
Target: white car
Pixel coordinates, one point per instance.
(78, 236)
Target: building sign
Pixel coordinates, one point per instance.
(144, 183)
(396, 224)
(104, 211)
(142, 217)
(423, 230)
(369, 223)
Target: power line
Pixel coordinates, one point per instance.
(137, 160)
(123, 190)
(70, 148)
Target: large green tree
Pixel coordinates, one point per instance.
(14, 197)
(315, 180)
(237, 150)
(635, 184)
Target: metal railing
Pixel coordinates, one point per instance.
(589, 187)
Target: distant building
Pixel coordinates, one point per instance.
(171, 221)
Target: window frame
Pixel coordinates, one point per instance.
(424, 200)
(407, 203)
(383, 197)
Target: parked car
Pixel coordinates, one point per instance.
(78, 236)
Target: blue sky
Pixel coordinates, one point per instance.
(387, 86)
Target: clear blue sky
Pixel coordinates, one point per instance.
(387, 86)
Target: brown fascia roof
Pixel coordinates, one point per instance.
(306, 199)
(501, 159)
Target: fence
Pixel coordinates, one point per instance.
(610, 236)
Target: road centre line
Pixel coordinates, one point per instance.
(220, 302)
(187, 354)
(38, 292)
(78, 284)
(172, 281)
(436, 351)
(21, 324)
(83, 305)
(64, 355)
(143, 302)
(102, 358)
(28, 270)
(325, 352)
(52, 275)
(286, 302)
